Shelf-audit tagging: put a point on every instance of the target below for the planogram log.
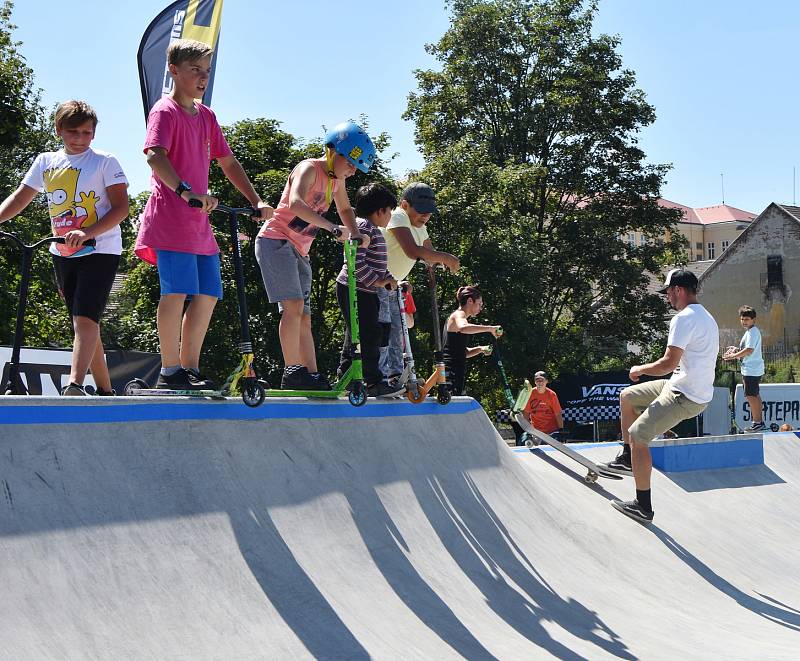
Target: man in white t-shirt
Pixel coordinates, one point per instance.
(407, 241)
(87, 198)
(650, 409)
(749, 352)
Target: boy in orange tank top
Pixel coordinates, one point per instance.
(284, 242)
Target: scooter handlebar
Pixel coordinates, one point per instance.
(60, 239)
(245, 211)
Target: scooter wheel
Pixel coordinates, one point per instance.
(443, 396)
(358, 395)
(416, 397)
(132, 386)
(253, 394)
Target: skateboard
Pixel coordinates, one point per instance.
(595, 471)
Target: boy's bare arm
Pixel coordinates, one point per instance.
(235, 173)
(158, 160)
(424, 252)
(16, 202)
(118, 197)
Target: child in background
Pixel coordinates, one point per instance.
(543, 408)
(749, 352)
(87, 198)
(284, 242)
(374, 204)
(183, 136)
(457, 328)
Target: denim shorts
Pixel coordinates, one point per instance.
(190, 274)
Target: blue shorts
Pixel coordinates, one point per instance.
(186, 273)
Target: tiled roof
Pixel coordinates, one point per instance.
(721, 213)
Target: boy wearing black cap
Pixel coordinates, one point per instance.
(407, 241)
(651, 408)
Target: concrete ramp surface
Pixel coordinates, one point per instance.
(168, 529)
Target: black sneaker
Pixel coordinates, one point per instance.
(104, 393)
(73, 390)
(633, 509)
(178, 381)
(621, 465)
(199, 380)
(320, 380)
(383, 389)
(756, 427)
(298, 379)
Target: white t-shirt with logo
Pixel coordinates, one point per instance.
(752, 365)
(400, 264)
(694, 330)
(76, 194)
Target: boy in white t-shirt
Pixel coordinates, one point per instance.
(650, 409)
(407, 241)
(749, 352)
(87, 198)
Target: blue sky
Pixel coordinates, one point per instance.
(720, 74)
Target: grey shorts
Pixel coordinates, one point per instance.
(661, 408)
(286, 273)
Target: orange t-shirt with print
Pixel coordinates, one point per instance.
(542, 409)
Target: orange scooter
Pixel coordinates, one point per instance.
(439, 376)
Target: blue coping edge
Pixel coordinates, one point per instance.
(27, 415)
(573, 446)
(705, 456)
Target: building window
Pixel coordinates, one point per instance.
(775, 271)
(724, 245)
(699, 246)
(642, 240)
(631, 239)
(710, 250)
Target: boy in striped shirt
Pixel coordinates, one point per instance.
(373, 205)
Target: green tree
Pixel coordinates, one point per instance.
(25, 131)
(530, 135)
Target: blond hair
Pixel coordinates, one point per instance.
(71, 114)
(187, 50)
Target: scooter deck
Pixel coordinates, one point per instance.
(595, 471)
(160, 392)
(323, 394)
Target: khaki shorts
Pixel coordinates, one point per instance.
(661, 408)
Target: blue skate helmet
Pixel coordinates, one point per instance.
(352, 142)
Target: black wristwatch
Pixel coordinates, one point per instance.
(182, 186)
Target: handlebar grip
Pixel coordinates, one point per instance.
(357, 240)
(500, 331)
(194, 202)
(336, 231)
(88, 242)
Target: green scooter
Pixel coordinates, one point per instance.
(352, 381)
(514, 405)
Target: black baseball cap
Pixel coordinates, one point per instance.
(421, 197)
(679, 278)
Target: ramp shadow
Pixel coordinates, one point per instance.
(725, 478)
(485, 551)
(769, 608)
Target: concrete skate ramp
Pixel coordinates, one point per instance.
(136, 529)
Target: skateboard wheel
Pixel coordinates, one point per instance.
(591, 478)
(529, 443)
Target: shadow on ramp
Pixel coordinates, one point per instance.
(725, 478)
(484, 550)
(774, 612)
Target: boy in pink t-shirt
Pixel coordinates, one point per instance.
(183, 137)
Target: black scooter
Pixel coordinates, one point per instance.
(12, 382)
